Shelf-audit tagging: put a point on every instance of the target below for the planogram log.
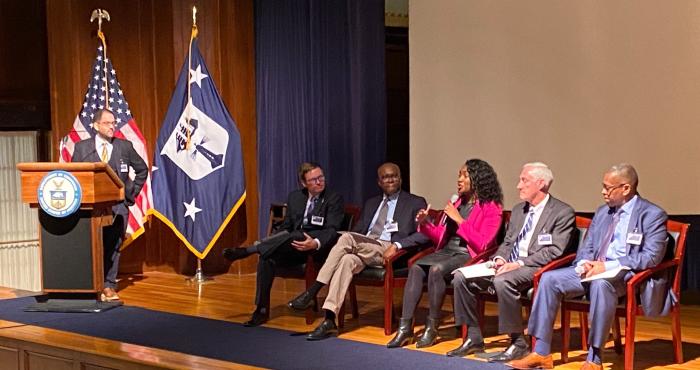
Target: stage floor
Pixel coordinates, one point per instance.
(230, 298)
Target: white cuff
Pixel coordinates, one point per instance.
(318, 244)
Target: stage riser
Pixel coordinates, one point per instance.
(21, 355)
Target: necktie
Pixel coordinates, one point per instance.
(378, 226)
(607, 238)
(515, 252)
(310, 210)
(103, 157)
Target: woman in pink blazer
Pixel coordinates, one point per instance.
(468, 227)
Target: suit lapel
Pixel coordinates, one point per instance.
(114, 158)
(401, 204)
(540, 223)
(634, 221)
(371, 210)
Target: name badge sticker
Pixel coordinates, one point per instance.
(634, 238)
(544, 239)
(317, 220)
(123, 168)
(392, 227)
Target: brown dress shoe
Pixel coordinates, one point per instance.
(532, 361)
(591, 366)
(109, 295)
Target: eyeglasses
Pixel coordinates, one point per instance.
(108, 123)
(387, 178)
(317, 180)
(609, 189)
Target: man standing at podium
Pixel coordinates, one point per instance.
(120, 155)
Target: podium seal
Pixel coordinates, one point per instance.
(59, 194)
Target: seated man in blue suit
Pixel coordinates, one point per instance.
(628, 232)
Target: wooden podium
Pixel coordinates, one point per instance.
(71, 246)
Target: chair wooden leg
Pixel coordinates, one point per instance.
(583, 323)
(565, 333)
(388, 306)
(617, 336)
(353, 302)
(676, 331)
(310, 316)
(481, 307)
(630, 323)
(464, 332)
(341, 317)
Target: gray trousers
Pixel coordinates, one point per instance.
(566, 283)
(350, 255)
(507, 287)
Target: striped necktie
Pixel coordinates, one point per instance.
(378, 227)
(515, 252)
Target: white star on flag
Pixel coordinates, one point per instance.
(197, 76)
(191, 209)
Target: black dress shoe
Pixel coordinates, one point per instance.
(259, 317)
(513, 352)
(302, 301)
(467, 348)
(326, 329)
(430, 334)
(233, 254)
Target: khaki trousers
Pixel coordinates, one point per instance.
(348, 257)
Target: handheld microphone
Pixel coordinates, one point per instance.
(453, 199)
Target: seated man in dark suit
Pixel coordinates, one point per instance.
(387, 224)
(120, 155)
(628, 232)
(539, 231)
(314, 215)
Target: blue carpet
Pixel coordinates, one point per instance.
(223, 340)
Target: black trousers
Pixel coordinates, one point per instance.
(276, 252)
(434, 269)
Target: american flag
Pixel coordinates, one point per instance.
(104, 91)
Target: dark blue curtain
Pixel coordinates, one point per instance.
(320, 95)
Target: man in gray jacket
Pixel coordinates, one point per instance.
(539, 231)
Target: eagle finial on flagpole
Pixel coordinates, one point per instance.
(99, 14)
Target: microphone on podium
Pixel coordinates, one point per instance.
(453, 199)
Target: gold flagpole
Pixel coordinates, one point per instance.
(189, 68)
(101, 14)
(199, 278)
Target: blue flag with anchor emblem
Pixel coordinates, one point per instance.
(198, 181)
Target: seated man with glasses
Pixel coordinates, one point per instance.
(627, 234)
(314, 215)
(387, 224)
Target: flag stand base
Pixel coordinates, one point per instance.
(199, 277)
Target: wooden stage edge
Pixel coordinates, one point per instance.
(230, 298)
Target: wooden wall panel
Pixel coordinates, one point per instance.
(147, 42)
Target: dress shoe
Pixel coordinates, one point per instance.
(302, 301)
(233, 254)
(513, 352)
(430, 334)
(467, 348)
(260, 316)
(591, 366)
(326, 329)
(404, 335)
(109, 295)
(532, 361)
